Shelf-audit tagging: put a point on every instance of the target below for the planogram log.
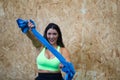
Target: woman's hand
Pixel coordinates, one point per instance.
(61, 65)
(30, 25)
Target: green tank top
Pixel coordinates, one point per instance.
(43, 63)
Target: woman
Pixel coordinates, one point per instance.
(48, 65)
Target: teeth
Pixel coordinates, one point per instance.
(51, 40)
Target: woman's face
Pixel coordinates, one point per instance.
(52, 36)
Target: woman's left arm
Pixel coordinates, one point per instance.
(66, 54)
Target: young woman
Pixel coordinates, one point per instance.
(48, 66)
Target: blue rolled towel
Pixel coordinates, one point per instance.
(69, 70)
(68, 67)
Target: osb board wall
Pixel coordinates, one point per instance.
(90, 28)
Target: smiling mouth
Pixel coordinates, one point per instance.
(51, 40)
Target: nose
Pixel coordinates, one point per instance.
(51, 36)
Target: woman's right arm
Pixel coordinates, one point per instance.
(30, 35)
(34, 40)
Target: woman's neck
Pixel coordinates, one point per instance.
(55, 46)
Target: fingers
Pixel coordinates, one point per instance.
(30, 25)
(61, 65)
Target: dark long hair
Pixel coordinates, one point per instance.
(56, 27)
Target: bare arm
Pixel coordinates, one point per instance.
(34, 40)
(66, 54)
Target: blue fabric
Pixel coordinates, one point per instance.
(68, 67)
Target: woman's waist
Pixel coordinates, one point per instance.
(48, 71)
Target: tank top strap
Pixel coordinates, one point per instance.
(43, 51)
(58, 48)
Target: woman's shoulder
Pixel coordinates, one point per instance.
(64, 50)
(38, 50)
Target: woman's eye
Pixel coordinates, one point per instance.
(54, 33)
(49, 33)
